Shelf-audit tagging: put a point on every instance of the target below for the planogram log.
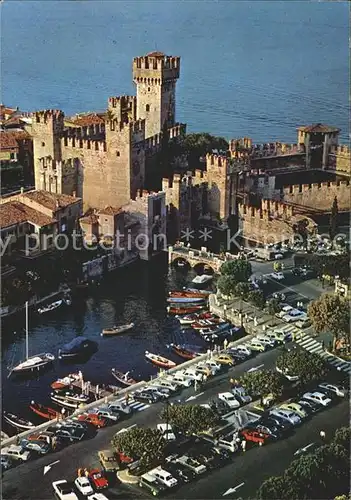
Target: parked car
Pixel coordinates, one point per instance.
(93, 419)
(294, 315)
(284, 310)
(273, 421)
(108, 460)
(105, 413)
(227, 443)
(255, 345)
(317, 397)
(16, 452)
(164, 477)
(296, 408)
(214, 367)
(192, 464)
(168, 384)
(229, 399)
(97, 496)
(83, 486)
(98, 479)
(277, 276)
(151, 484)
(265, 340)
(64, 490)
(38, 446)
(120, 407)
(181, 473)
(285, 373)
(303, 323)
(146, 396)
(224, 359)
(240, 394)
(239, 357)
(334, 389)
(166, 431)
(192, 374)
(255, 436)
(181, 380)
(71, 434)
(162, 393)
(288, 415)
(309, 406)
(272, 430)
(243, 349)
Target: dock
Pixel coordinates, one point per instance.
(95, 390)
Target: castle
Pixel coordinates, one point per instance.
(106, 161)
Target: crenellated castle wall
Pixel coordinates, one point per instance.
(340, 160)
(319, 196)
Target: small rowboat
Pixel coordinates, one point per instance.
(72, 396)
(123, 378)
(195, 295)
(184, 353)
(61, 401)
(115, 330)
(159, 360)
(205, 292)
(44, 411)
(50, 307)
(191, 318)
(17, 422)
(184, 310)
(61, 383)
(203, 323)
(186, 300)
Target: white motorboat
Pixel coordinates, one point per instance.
(61, 401)
(50, 307)
(32, 362)
(18, 422)
(202, 279)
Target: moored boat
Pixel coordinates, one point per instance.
(195, 295)
(44, 411)
(214, 330)
(4, 436)
(115, 330)
(184, 353)
(18, 422)
(195, 290)
(50, 307)
(61, 401)
(191, 318)
(203, 323)
(77, 347)
(201, 280)
(184, 310)
(61, 383)
(186, 300)
(123, 378)
(159, 360)
(34, 363)
(72, 396)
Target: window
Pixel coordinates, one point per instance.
(118, 153)
(148, 107)
(148, 89)
(43, 144)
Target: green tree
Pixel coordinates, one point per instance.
(195, 146)
(278, 488)
(190, 419)
(343, 437)
(226, 284)
(273, 306)
(333, 222)
(145, 444)
(242, 290)
(330, 313)
(277, 266)
(256, 297)
(306, 365)
(239, 269)
(262, 382)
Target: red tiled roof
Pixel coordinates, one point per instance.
(156, 54)
(110, 211)
(52, 201)
(86, 120)
(9, 140)
(319, 128)
(89, 219)
(4, 110)
(14, 212)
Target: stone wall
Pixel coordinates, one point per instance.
(319, 196)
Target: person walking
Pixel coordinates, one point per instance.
(86, 473)
(322, 434)
(208, 353)
(195, 385)
(225, 344)
(126, 397)
(323, 345)
(243, 445)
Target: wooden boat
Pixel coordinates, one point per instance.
(61, 383)
(191, 318)
(65, 403)
(184, 353)
(196, 295)
(159, 360)
(205, 292)
(115, 330)
(184, 310)
(212, 330)
(72, 396)
(44, 411)
(123, 378)
(203, 323)
(18, 422)
(32, 362)
(50, 307)
(186, 300)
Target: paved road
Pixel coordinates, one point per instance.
(27, 481)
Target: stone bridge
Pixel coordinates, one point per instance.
(196, 257)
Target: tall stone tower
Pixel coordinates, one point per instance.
(155, 76)
(47, 130)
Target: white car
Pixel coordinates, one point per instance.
(164, 477)
(285, 310)
(292, 378)
(105, 412)
(215, 367)
(166, 431)
(229, 399)
(317, 397)
(63, 490)
(192, 374)
(288, 415)
(294, 315)
(336, 389)
(277, 276)
(16, 452)
(181, 380)
(84, 486)
(97, 496)
(168, 384)
(244, 349)
(239, 392)
(265, 340)
(255, 345)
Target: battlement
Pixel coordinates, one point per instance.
(48, 163)
(85, 131)
(341, 149)
(123, 108)
(48, 115)
(213, 161)
(276, 149)
(241, 143)
(316, 187)
(277, 209)
(84, 144)
(156, 67)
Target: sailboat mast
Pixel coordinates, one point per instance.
(27, 346)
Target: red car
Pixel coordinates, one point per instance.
(97, 479)
(124, 459)
(93, 419)
(255, 436)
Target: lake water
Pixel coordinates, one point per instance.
(256, 69)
